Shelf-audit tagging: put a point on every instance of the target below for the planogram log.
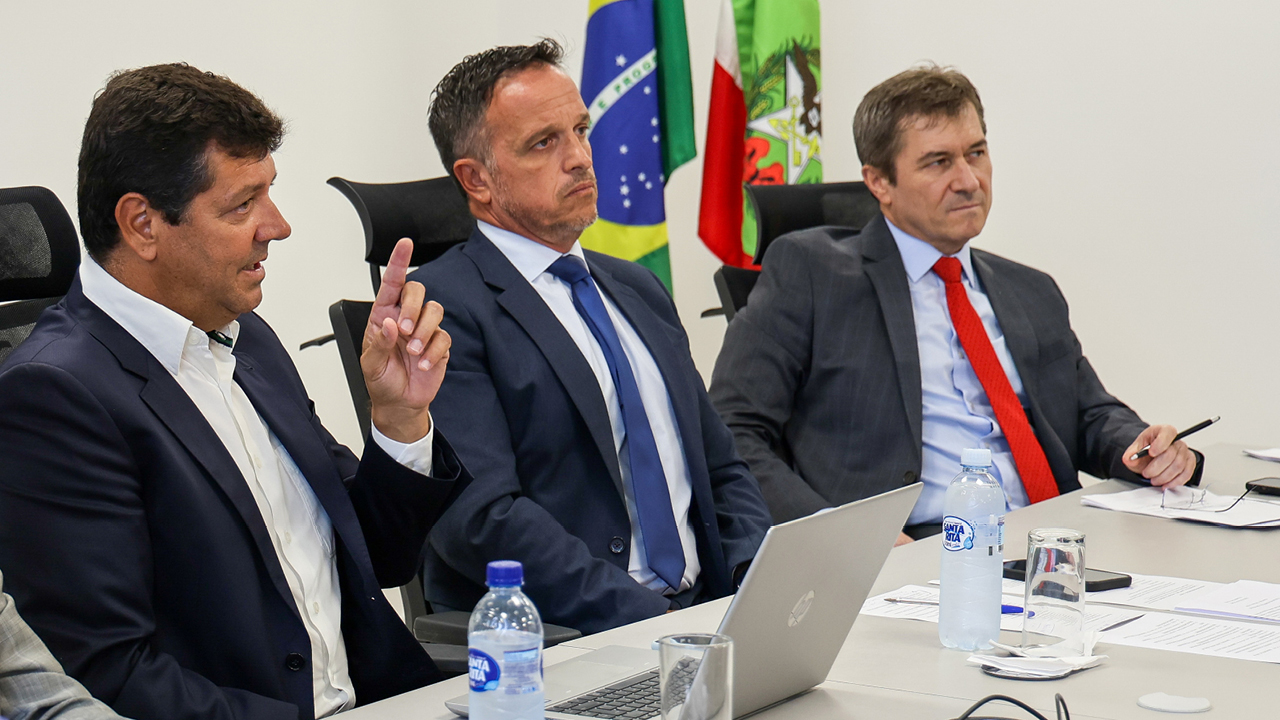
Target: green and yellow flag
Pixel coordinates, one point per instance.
(637, 86)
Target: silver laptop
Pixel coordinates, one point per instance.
(788, 621)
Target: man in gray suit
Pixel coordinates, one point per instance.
(865, 360)
(32, 684)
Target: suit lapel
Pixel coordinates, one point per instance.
(291, 424)
(1019, 332)
(883, 266)
(171, 404)
(523, 303)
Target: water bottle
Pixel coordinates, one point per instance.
(972, 555)
(505, 643)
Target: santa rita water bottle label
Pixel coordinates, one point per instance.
(484, 672)
(960, 534)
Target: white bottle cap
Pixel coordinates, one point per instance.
(975, 457)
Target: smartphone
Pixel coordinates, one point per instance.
(1266, 486)
(1094, 580)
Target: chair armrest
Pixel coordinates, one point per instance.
(450, 628)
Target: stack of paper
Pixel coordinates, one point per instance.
(1245, 600)
(1149, 592)
(1193, 504)
(916, 602)
(1202, 636)
(1155, 592)
(1131, 616)
(1273, 454)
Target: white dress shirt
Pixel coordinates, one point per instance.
(957, 413)
(532, 259)
(299, 527)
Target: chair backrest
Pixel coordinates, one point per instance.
(39, 254)
(781, 209)
(39, 250)
(734, 285)
(349, 318)
(433, 213)
(17, 320)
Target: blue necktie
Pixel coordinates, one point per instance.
(648, 482)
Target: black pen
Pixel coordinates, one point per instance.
(1193, 429)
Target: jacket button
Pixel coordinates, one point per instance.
(908, 477)
(616, 546)
(295, 661)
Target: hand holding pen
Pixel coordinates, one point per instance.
(1160, 456)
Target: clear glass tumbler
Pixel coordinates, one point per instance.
(696, 676)
(1055, 593)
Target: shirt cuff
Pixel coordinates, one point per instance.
(415, 455)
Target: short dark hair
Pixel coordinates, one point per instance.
(462, 97)
(926, 91)
(150, 131)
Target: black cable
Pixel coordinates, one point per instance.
(1059, 703)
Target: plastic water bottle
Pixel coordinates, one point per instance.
(505, 642)
(972, 555)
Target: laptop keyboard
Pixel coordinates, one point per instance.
(639, 696)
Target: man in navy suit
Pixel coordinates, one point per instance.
(599, 461)
(175, 522)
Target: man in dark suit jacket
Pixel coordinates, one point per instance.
(551, 359)
(847, 375)
(175, 522)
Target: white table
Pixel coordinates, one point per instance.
(897, 668)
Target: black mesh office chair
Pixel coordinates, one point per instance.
(434, 215)
(781, 209)
(39, 254)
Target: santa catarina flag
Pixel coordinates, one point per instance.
(764, 125)
(638, 89)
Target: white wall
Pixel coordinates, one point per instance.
(1135, 147)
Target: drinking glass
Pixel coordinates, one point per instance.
(1054, 601)
(696, 676)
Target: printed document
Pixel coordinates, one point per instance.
(1201, 636)
(1155, 592)
(1194, 504)
(1245, 599)
(921, 603)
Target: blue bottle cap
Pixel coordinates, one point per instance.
(504, 573)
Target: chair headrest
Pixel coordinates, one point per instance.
(781, 209)
(433, 213)
(39, 249)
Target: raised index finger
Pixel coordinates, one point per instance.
(393, 277)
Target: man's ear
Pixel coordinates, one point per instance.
(878, 183)
(474, 178)
(138, 222)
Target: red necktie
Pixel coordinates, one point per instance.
(1033, 468)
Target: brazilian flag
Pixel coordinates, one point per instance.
(637, 86)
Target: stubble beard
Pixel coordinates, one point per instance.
(559, 232)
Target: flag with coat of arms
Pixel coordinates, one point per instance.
(637, 86)
(764, 123)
